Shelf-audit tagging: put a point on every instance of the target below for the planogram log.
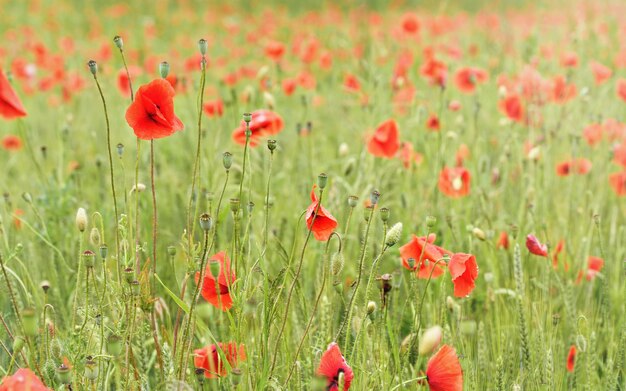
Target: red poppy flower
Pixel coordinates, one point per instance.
(535, 247)
(594, 266)
(218, 293)
(409, 156)
(214, 108)
(289, 86)
(621, 89)
(601, 73)
(123, 82)
(569, 60)
(432, 123)
(424, 249)
(152, 115)
(571, 358)
(10, 105)
(593, 134)
(464, 270)
(558, 249)
(263, 123)
(23, 380)
(467, 79)
(410, 23)
(384, 143)
(579, 166)
(210, 360)
(454, 182)
(619, 154)
(512, 107)
(435, 71)
(324, 224)
(275, 50)
(503, 240)
(561, 90)
(331, 365)
(617, 181)
(11, 143)
(454, 105)
(351, 83)
(444, 372)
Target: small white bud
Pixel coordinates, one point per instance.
(81, 219)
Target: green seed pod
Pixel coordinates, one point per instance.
(247, 117)
(227, 160)
(384, 214)
(104, 251)
(93, 67)
(91, 369)
(164, 69)
(271, 145)
(129, 274)
(203, 46)
(118, 42)
(431, 221)
(89, 258)
(353, 200)
(234, 205)
(45, 286)
(120, 149)
(135, 288)
(64, 374)
(206, 222)
(322, 180)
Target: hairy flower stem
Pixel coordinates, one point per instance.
(317, 301)
(196, 165)
(348, 313)
(293, 283)
(78, 273)
(112, 177)
(192, 308)
(245, 155)
(267, 203)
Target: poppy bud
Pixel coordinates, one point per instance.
(171, 251)
(81, 219)
(203, 46)
(352, 201)
(120, 149)
(135, 287)
(129, 274)
(27, 197)
(322, 180)
(91, 369)
(406, 343)
(371, 307)
(336, 263)
(18, 248)
(93, 67)
(18, 344)
(430, 340)
(119, 42)
(64, 374)
(384, 214)
(94, 237)
(393, 235)
(29, 322)
(139, 188)
(45, 286)
(206, 222)
(104, 251)
(227, 160)
(367, 211)
(478, 233)
(114, 345)
(234, 205)
(431, 221)
(514, 231)
(343, 149)
(164, 69)
(374, 197)
(89, 258)
(271, 145)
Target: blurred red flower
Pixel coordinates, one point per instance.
(23, 380)
(10, 105)
(209, 359)
(535, 247)
(218, 292)
(384, 143)
(454, 182)
(263, 123)
(331, 365)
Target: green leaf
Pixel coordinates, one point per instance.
(176, 299)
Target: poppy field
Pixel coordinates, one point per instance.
(289, 196)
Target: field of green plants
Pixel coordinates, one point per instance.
(262, 196)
